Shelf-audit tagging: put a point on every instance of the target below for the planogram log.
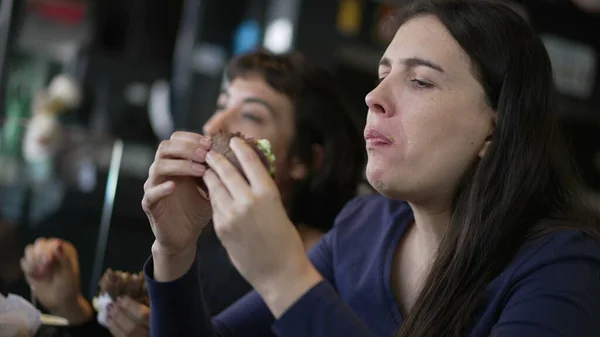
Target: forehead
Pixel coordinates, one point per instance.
(427, 38)
(254, 86)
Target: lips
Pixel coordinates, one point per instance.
(374, 137)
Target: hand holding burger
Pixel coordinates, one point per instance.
(174, 202)
(252, 223)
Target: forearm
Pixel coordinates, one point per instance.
(281, 292)
(321, 313)
(169, 267)
(77, 312)
(178, 307)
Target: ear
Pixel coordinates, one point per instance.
(298, 170)
(488, 139)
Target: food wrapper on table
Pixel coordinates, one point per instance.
(19, 318)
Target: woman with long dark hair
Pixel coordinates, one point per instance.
(479, 231)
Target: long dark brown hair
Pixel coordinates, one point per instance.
(524, 187)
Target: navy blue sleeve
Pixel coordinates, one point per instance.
(321, 313)
(558, 296)
(178, 308)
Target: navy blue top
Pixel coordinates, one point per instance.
(551, 288)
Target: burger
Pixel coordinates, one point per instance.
(118, 283)
(262, 147)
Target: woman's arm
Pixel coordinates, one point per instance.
(556, 297)
(178, 307)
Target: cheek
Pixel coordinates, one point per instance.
(280, 157)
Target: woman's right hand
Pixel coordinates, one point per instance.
(51, 267)
(175, 205)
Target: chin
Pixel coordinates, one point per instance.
(386, 183)
(382, 185)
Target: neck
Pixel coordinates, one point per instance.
(431, 222)
(309, 236)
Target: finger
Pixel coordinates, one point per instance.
(136, 311)
(115, 330)
(47, 257)
(182, 149)
(192, 137)
(28, 259)
(157, 193)
(38, 246)
(60, 255)
(53, 248)
(176, 168)
(33, 254)
(43, 257)
(122, 322)
(230, 177)
(25, 267)
(164, 168)
(219, 196)
(65, 255)
(255, 171)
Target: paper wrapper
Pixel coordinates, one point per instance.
(100, 304)
(18, 318)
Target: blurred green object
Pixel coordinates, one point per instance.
(26, 78)
(13, 131)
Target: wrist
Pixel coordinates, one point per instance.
(169, 265)
(77, 311)
(282, 291)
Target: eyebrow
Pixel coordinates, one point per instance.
(255, 100)
(413, 62)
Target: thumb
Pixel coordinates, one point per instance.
(63, 260)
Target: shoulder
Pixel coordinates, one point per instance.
(561, 246)
(571, 257)
(552, 288)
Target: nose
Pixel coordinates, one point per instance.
(376, 102)
(217, 123)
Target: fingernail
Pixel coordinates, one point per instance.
(210, 155)
(200, 154)
(169, 185)
(205, 141)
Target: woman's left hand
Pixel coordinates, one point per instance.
(252, 224)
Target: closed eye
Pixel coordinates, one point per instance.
(421, 84)
(253, 118)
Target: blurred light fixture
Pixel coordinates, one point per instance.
(279, 35)
(281, 19)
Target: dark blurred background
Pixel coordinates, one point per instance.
(146, 67)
